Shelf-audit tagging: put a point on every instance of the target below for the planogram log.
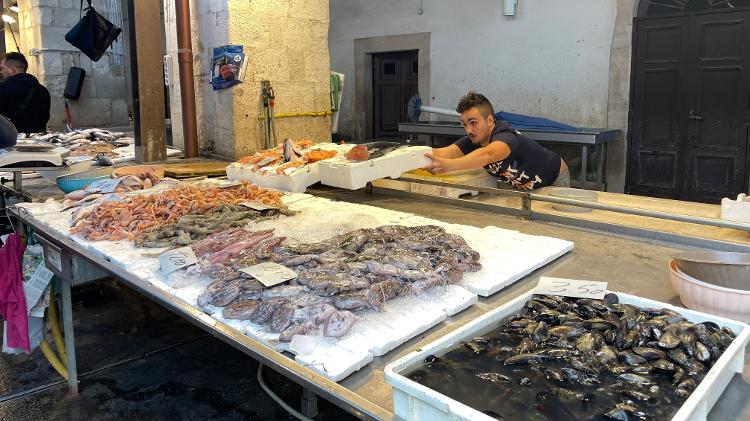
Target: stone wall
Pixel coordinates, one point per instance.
(104, 99)
(287, 43)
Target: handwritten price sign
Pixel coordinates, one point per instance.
(269, 273)
(171, 260)
(571, 288)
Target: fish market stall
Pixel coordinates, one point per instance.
(332, 334)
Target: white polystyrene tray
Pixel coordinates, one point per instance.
(413, 401)
(353, 175)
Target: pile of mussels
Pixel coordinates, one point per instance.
(631, 354)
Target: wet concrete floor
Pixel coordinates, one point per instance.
(138, 361)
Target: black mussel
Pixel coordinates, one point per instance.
(579, 377)
(430, 359)
(617, 369)
(678, 356)
(679, 374)
(631, 359)
(482, 339)
(474, 347)
(579, 365)
(635, 379)
(724, 338)
(687, 384)
(600, 324)
(630, 340)
(559, 343)
(669, 318)
(637, 395)
(519, 323)
(569, 332)
(663, 365)
(711, 326)
(536, 306)
(656, 323)
(587, 342)
(618, 414)
(541, 333)
(551, 317)
(548, 302)
(526, 346)
(668, 340)
(494, 377)
(702, 353)
(525, 381)
(641, 369)
(728, 331)
(682, 393)
(656, 333)
(494, 415)
(609, 337)
(611, 298)
(631, 408)
(555, 375)
(606, 355)
(650, 353)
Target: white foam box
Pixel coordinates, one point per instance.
(353, 175)
(413, 401)
(735, 210)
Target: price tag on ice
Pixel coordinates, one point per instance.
(257, 205)
(171, 260)
(571, 288)
(269, 273)
(104, 186)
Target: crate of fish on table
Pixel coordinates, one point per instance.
(371, 161)
(291, 166)
(549, 357)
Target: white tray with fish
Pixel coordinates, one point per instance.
(414, 401)
(396, 159)
(292, 179)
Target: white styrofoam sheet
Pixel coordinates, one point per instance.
(413, 401)
(375, 333)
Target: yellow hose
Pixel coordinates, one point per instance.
(54, 327)
(304, 114)
(53, 360)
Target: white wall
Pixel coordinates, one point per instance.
(552, 59)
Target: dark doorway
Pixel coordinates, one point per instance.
(395, 76)
(690, 110)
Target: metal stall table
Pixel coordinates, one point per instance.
(628, 264)
(586, 138)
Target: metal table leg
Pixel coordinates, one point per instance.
(17, 180)
(309, 403)
(70, 351)
(584, 163)
(600, 166)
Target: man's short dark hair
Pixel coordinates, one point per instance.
(16, 60)
(473, 99)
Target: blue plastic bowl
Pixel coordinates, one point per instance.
(77, 181)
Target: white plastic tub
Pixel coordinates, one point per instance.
(353, 175)
(413, 401)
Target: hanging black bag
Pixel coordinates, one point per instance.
(93, 34)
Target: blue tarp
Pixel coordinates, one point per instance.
(525, 122)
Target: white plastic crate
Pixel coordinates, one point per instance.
(736, 210)
(353, 175)
(413, 401)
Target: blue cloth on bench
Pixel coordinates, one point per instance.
(522, 122)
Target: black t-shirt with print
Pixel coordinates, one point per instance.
(528, 166)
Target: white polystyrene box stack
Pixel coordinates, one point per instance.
(352, 175)
(736, 210)
(413, 401)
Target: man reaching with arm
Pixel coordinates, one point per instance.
(501, 150)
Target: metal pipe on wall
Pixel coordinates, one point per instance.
(187, 85)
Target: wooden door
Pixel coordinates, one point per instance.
(395, 77)
(690, 101)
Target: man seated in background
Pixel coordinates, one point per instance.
(23, 100)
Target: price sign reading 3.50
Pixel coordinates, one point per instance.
(269, 273)
(171, 260)
(571, 288)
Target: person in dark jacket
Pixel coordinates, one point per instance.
(23, 100)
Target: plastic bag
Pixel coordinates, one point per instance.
(227, 66)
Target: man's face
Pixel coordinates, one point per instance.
(6, 71)
(477, 127)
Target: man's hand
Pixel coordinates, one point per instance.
(438, 165)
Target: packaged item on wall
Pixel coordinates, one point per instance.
(227, 66)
